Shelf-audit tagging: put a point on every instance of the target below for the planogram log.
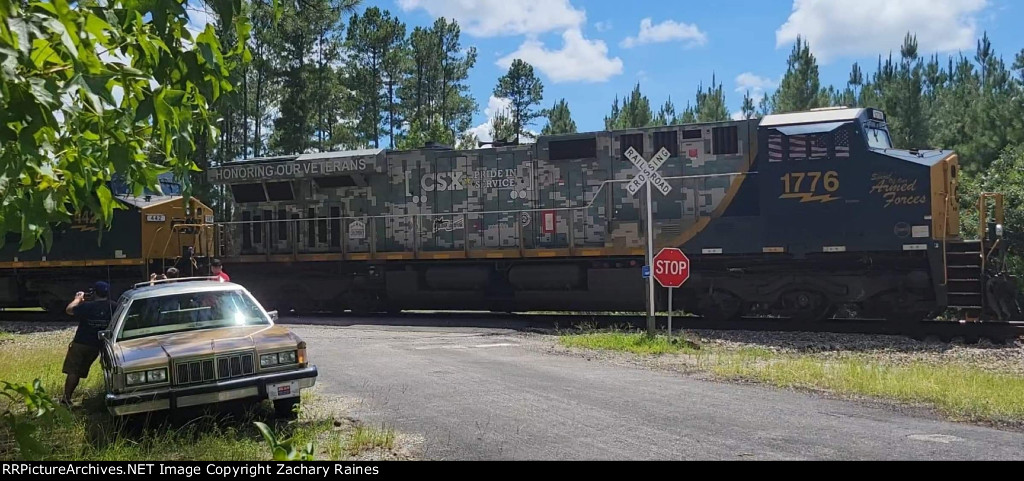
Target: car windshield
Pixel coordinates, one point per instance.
(190, 312)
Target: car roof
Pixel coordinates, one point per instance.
(180, 287)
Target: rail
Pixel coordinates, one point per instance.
(265, 231)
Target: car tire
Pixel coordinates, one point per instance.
(283, 408)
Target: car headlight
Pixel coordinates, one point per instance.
(267, 360)
(134, 378)
(288, 357)
(151, 376)
(156, 375)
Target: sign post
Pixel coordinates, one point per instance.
(671, 269)
(648, 176)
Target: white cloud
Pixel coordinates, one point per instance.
(490, 18)
(837, 28)
(494, 105)
(666, 31)
(738, 115)
(579, 59)
(755, 84)
(603, 26)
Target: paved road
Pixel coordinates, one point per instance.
(480, 393)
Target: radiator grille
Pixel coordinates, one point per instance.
(209, 370)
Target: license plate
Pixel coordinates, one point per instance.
(283, 390)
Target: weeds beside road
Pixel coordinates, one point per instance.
(228, 433)
(960, 389)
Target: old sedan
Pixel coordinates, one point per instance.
(197, 341)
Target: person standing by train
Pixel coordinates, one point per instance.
(218, 270)
(93, 316)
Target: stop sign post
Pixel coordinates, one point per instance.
(671, 269)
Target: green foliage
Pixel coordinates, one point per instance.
(40, 411)
(800, 88)
(63, 130)
(666, 114)
(434, 93)
(524, 90)
(559, 120)
(283, 449)
(711, 103)
(1005, 175)
(503, 126)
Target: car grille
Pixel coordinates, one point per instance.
(202, 370)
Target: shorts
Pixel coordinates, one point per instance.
(79, 359)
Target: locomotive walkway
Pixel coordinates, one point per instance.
(493, 393)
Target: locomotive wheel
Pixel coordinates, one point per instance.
(721, 306)
(807, 306)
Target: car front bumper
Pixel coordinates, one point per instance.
(171, 398)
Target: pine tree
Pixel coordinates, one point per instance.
(711, 103)
(524, 90)
(800, 88)
(667, 114)
(559, 120)
(748, 110)
(503, 126)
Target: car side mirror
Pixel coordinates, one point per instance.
(104, 335)
(273, 315)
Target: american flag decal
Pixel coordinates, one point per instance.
(842, 143)
(775, 148)
(798, 147)
(819, 148)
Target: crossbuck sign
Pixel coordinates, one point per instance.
(649, 176)
(648, 171)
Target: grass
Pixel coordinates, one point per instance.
(637, 343)
(217, 434)
(958, 391)
(367, 438)
(6, 336)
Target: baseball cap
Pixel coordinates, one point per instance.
(101, 287)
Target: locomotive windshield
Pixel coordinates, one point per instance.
(168, 185)
(878, 137)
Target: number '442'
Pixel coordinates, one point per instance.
(810, 186)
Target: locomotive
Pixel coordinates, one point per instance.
(148, 233)
(796, 215)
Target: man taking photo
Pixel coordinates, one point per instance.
(93, 316)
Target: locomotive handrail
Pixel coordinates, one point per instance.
(588, 205)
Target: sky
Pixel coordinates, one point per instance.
(587, 52)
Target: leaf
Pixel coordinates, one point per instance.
(106, 202)
(267, 433)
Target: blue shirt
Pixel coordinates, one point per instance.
(93, 317)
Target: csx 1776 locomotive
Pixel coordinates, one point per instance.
(794, 215)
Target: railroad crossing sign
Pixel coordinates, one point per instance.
(648, 171)
(649, 176)
(671, 267)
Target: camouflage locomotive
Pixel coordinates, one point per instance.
(148, 233)
(795, 215)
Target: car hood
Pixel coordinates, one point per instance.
(156, 350)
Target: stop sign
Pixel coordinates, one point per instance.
(671, 267)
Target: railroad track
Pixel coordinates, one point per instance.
(944, 331)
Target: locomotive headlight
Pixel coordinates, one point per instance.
(999, 230)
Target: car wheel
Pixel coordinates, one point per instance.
(284, 408)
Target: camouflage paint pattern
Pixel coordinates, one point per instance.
(448, 200)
